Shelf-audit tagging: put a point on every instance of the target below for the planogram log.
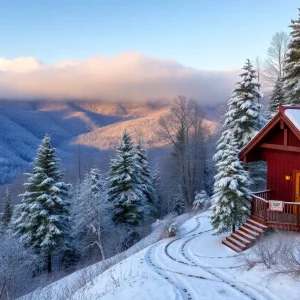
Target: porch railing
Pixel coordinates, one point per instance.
(263, 194)
(260, 209)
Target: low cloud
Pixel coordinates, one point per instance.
(125, 77)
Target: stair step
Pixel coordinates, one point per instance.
(230, 245)
(235, 242)
(249, 231)
(253, 227)
(241, 239)
(245, 235)
(262, 226)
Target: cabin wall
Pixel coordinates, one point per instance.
(275, 136)
(281, 163)
(293, 140)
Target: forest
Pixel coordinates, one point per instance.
(64, 214)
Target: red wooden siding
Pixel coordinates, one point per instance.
(275, 136)
(278, 144)
(279, 164)
(292, 139)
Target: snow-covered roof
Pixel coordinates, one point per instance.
(293, 115)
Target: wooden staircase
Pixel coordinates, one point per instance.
(245, 236)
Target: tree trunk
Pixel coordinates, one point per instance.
(49, 263)
(233, 228)
(184, 186)
(100, 242)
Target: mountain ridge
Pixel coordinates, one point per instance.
(96, 126)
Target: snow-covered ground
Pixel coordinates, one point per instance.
(193, 265)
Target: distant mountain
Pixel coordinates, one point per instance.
(95, 126)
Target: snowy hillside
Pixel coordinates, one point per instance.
(193, 265)
(147, 127)
(96, 126)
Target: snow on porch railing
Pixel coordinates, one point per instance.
(289, 216)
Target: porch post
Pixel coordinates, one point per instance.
(265, 210)
(252, 205)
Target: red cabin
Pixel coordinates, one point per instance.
(278, 144)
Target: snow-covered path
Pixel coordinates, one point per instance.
(192, 266)
(193, 276)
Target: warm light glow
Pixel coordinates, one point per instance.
(287, 177)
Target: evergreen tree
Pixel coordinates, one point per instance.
(180, 158)
(145, 173)
(277, 99)
(7, 210)
(231, 199)
(44, 220)
(97, 182)
(201, 201)
(125, 190)
(157, 202)
(179, 206)
(291, 78)
(243, 117)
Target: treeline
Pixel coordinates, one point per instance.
(60, 225)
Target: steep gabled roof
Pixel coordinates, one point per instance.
(290, 115)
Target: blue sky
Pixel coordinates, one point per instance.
(212, 34)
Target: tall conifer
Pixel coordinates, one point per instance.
(7, 210)
(291, 78)
(277, 99)
(231, 199)
(145, 173)
(44, 220)
(125, 190)
(244, 117)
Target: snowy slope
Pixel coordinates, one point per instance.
(147, 127)
(194, 265)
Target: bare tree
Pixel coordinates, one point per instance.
(184, 130)
(276, 55)
(258, 67)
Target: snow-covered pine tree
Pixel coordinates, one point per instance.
(180, 157)
(244, 117)
(201, 201)
(44, 223)
(291, 79)
(97, 183)
(125, 185)
(145, 173)
(157, 202)
(7, 211)
(178, 201)
(277, 99)
(231, 199)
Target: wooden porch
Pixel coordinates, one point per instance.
(289, 219)
(261, 219)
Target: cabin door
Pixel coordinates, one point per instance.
(297, 189)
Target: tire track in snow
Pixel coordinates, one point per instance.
(243, 288)
(163, 273)
(183, 291)
(191, 263)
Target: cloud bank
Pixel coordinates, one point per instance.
(126, 77)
